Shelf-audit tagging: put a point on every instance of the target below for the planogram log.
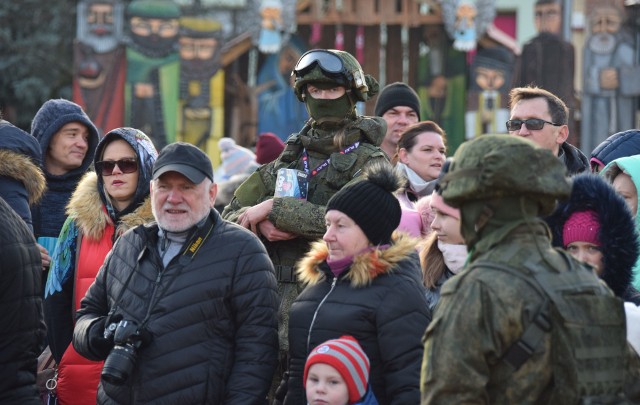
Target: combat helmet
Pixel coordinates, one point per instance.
(499, 166)
(333, 66)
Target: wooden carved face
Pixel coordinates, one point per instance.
(549, 18)
(605, 20)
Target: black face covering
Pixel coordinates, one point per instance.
(330, 110)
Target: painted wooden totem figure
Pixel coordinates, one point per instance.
(442, 84)
(201, 117)
(611, 75)
(548, 61)
(467, 20)
(153, 65)
(487, 99)
(99, 62)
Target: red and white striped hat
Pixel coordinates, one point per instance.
(346, 356)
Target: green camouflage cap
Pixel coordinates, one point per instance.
(362, 86)
(498, 166)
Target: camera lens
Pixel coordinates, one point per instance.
(119, 364)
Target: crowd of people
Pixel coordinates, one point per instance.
(507, 273)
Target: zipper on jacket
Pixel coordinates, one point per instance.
(315, 314)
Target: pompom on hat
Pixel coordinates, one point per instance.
(348, 358)
(370, 203)
(582, 226)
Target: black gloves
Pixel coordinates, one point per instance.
(97, 342)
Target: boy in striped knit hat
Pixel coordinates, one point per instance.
(337, 373)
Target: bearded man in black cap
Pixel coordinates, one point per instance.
(187, 305)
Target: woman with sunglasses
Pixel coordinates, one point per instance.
(105, 204)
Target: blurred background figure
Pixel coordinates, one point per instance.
(610, 75)
(236, 159)
(268, 147)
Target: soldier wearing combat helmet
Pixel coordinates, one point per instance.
(500, 334)
(328, 153)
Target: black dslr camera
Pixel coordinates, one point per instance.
(122, 358)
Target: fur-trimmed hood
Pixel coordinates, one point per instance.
(365, 268)
(20, 167)
(617, 232)
(88, 211)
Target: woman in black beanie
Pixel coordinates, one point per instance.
(364, 282)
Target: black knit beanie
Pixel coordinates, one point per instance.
(397, 94)
(370, 203)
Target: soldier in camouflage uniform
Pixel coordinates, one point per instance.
(476, 350)
(331, 149)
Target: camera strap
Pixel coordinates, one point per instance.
(191, 248)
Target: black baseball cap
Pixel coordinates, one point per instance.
(185, 159)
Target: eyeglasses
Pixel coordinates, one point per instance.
(329, 62)
(531, 123)
(106, 167)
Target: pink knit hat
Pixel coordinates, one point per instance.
(581, 226)
(438, 203)
(348, 358)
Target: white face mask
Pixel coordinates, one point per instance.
(454, 256)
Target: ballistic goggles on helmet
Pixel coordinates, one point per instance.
(331, 64)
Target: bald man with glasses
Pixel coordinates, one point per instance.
(542, 117)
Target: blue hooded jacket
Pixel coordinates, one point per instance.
(49, 214)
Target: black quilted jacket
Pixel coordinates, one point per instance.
(213, 329)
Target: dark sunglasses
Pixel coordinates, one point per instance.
(106, 167)
(329, 62)
(531, 123)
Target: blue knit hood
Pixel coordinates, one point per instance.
(53, 115)
(146, 154)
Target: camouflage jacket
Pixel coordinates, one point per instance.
(305, 218)
(481, 313)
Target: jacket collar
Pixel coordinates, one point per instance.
(365, 268)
